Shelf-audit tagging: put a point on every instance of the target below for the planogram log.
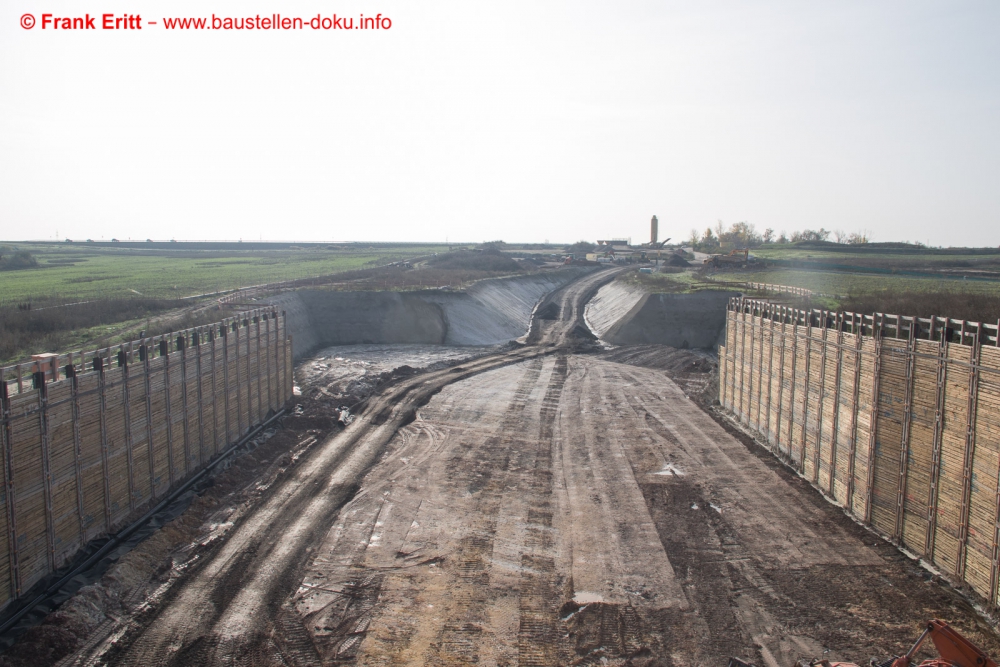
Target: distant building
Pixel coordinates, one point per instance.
(654, 231)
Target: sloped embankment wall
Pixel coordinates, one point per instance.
(623, 314)
(487, 313)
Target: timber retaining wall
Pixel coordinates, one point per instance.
(90, 440)
(897, 419)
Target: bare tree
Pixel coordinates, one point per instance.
(860, 237)
(840, 235)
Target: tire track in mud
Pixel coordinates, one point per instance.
(720, 578)
(735, 542)
(459, 639)
(218, 607)
(539, 594)
(228, 608)
(621, 586)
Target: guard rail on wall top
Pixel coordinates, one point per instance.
(18, 377)
(884, 324)
(787, 289)
(768, 287)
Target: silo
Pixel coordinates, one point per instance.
(653, 230)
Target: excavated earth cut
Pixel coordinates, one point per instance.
(538, 506)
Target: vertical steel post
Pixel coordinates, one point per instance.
(805, 399)
(904, 445)
(165, 353)
(9, 490)
(935, 474)
(77, 446)
(853, 428)
(873, 422)
(145, 349)
(99, 366)
(835, 426)
(225, 379)
(182, 348)
(198, 348)
(43, 428)
(123, 365)
(970, 447)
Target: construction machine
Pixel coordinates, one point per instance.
(736, 256)
(954, 649)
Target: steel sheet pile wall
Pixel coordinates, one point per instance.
(90, 439)
(895, 418)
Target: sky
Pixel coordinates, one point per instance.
(521, 121)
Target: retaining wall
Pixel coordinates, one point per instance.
(488, 312)
(624, 314)
(89, 440)
(897, 419)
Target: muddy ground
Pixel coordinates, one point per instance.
(578, 511)
(327, 381)
(550, 507)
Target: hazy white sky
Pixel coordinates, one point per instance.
(521, 121)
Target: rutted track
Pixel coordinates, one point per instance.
(228, 606)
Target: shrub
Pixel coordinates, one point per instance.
(26, 331)
(11, 260)
(976, 307)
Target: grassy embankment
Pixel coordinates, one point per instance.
(962, 283)
(79, 272)
(127, 289)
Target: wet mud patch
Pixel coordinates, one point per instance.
(696, 372)
(741, 602)
(695, 537)
(340, 626)
(600, 633)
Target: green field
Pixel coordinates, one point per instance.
(955, 260)
(840, 283)
(83, 271)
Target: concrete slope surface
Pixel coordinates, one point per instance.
(610, 304)
(488, 312)
(538, 507)
(624, 314)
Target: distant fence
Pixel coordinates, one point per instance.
(766, 287)
(785, 289)
(89, 439)
(895, 418)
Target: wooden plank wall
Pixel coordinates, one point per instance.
(92, 440)
(897, 419)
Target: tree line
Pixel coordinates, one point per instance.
(746, 235)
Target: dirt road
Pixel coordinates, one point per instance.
(538, 508)
(225, 612)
